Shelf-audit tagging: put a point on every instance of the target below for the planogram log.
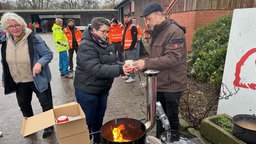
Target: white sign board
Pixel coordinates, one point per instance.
(238, 90)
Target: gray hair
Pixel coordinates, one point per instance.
(97, 22)
(12, 16)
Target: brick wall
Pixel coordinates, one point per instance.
(194, 19)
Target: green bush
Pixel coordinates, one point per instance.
(209, 47)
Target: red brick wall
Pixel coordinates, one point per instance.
(194, 19)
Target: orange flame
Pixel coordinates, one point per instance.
(117, 136)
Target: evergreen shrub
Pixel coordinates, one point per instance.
(209, 47)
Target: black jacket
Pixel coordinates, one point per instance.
(96, 66)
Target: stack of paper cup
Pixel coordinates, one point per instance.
(62, 119)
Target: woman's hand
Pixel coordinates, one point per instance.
(127, 68)
(37, 69)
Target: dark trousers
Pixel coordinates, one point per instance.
(119, 51)
(70, 55)
(170, 103)
(94, 107)
(24, 96)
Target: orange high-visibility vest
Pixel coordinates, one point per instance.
(140, 32)
(115, 34)
(128, 37)
(78, 35)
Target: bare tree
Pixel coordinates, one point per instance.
(5, 4)
(49, 4)
(110, 3)
(88, 4)
(30, 4)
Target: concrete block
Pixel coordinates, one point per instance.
(215, 134)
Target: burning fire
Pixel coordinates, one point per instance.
(117, 136)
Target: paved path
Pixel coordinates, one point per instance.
(125, 100)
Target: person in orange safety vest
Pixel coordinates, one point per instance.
(74, 36)
(115, 38)
(129, 42)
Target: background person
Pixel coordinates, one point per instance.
(61, 43)
(129, 42)
(74, 36)
(96, 69)
(139, 41)
(168, 55)
(30, 25)
(44, 26)
(36, 26)
(25, 59)
(115, 37)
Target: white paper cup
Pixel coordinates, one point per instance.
(130, 62)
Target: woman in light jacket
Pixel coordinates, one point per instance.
(25, 59)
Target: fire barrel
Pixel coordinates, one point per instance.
(123, 130)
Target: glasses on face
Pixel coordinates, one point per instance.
(14, 26)
(104, 31)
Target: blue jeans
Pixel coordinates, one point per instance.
(94, 107)
(63, 62)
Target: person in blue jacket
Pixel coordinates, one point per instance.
(25, 59)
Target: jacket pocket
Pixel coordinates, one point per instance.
(41, 82)
(157, 48)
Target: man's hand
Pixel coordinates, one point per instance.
(37, 69)
(139, 66)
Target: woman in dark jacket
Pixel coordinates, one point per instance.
(25, 59)
(95, 72)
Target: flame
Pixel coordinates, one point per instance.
(117, 136)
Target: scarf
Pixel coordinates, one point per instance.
(99, 40)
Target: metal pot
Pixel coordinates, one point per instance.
(244, 128)
(135, 131)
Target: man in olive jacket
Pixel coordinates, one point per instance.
(168, 55)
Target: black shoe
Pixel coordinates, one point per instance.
(175, 136)
(47, 132)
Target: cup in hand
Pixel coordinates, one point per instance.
(130, 62)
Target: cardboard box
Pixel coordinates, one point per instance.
(74, 131)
